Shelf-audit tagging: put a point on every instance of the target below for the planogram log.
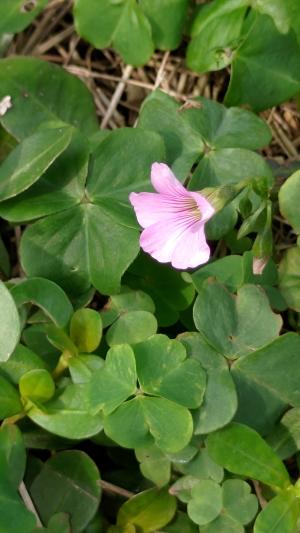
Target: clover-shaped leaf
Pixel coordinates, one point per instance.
(110, 22)
(134, 423)
(208, 129)
(235, 326)
(154, 464)
(220, 398)
(98, 235)
(115, 381)
(206, 502)
(163, 370)
(238, 501)
(130, 317)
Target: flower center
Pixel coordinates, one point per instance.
(193, 209)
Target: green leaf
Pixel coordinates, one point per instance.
(127, 300)
(285, 437)
(61, 187)
(181, 524)
(222, 127)
(14, 515)
(216, 33)
(9, 322)
(169, 423)
(58, 338)
(273, 59)
(4, 259)
(30, 159)
(15, 15)
(289, 198)
(170, 293)
(86, 330)
(238, 501)
(201, 467)
(42, 92)
(83, 255)
(46, 295)
(10, 403)
(278, 10)
(280, 515)
(166, 36)
(242, 451)
(37, 385)
(68, 414)
(206, 502)
(163, 370)
(220, 398)
(229, 165)
(225, 524)
(82, 367)
(69, 482)
(182, 488)
(268, 367)
(132, 327)
(115, 381)
(12, 455)
(289, 278)
(111, 22)
(206, 128)
(59, 522)
(149, 510)
(154, 464)
(235, 326)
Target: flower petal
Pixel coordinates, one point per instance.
(164, 181)
(150, 207)
(192, 249)
(206, 209)
(180, 242)
(160, 239)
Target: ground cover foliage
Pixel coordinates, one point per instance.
(135, 397)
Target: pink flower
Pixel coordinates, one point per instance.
(173, 219)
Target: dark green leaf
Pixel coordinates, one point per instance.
(289, 277)
(46, 295)
(12, 455)
(68, 482)
(215, 35)
(132, 327)
(220, 399)
(42, 92)
(115, 381)
(242, 451)
(268, 368)
(30, 159)
(166, 36)
(10, 403)
(163, 370)
(111, 22)
(268, 58)
(15, 15)
(235, 326)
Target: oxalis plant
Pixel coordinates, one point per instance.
(149, 337)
